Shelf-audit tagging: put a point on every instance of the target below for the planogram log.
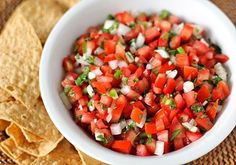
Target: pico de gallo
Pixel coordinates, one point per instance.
(145, 84)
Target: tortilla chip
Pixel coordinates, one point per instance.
(35, 149)
(68, 3)
(34, 120)
(87, 160)
(3, 124)
(43, 15)
(64, 154)
(30, 137)
(9, 148)
(4, 96)
(19, 60)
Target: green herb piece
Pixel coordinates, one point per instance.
(155, 71)
(75, 49)
(84, 47)
(173, 52)
(130, 126)
(103, 139)
(197, 108)
(90, 103)
(217, 48)
(117, 74)
(174, 134)
(113, 27)
(80, 117)
(165, 36)
(124, 80)
(180, 50)
(88, 39)
(103, 107)
(90, 60)
(110, 17)
(149, 140)
(216, 79)
(142, 141)
(67, 90)
(113, 94)
(136, 80)
(169, 101)
(164, 14)
(102, 45)
(85, 91)
(77, 56)
(132, 25)
(83, 77)
(172, 34)
(203, 116)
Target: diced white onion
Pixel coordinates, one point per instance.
(133, 46)
(97, 72)
(173, 59)
(193, 122)
(122, 64)
(97, 136)
(81, 60)
(190, 127)
(113, 64)
(159, 150)
(205, 103)
(123, 29)
(188, 86)
(163, 53)
(219, 108)
(197, 31)
(87, 54)
(98, 61)
(140, 97)
(98, 50)
(178, 28)
(140, 40)
(136, 59)
(143, 120)
(90, 90)
(149, 66)
(65, 100)
(220, 71)
(108, 24)
(115, 129)
(80, 107)
(123, 124)
(91, 75)
(125, 89)
(109, 117)
(172, 74)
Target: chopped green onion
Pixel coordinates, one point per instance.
(113, 94)
(103, 139)
(172, 34)
(169, 101)
(173, 52)
(67, 90)
(84, 47)
(174, 134)
(90, 60)
(113, 27)
(197, 108)
(83, 77)
(125, 80)
(117, 74)
(216, 79)
(180, 50)
(164, 14)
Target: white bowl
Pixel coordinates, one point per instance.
(93, 12)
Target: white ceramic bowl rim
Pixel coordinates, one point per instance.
(79, 138)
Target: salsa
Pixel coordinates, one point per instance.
(145, 84)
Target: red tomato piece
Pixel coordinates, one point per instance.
(141, 150)
(203, 93)
(170, 86)
(193, 136)
(125, 17)
(165, 26)
(109, 46)
(187, 32)
(150, 128)
(175, 42)
(149, 98)
(106, 100)
(203, 121)
(211, 110)
(178, 143)
(130, 136)
(144, 52)
(160, 125)
(136, 115)
(123, 146)
(151, 33)
(222, 58)
(180, 103)
(151, 146)
(201, 47)
(121, 102)
(190, 98)
(182, 60)
(160, 80)
(190, 73)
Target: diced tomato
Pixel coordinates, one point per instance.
(174, 19)
(178, 143)
(136, 115)
(203, 93)
(68, 64)
(101, 86)
(222, 58)
(87, 118)
(83, 101)
(189, 112)
(142, 17)
(190, 73)
(165, 26)
(151, 146)
(163, 40)
(125, 17)
(183, 117)
(211, 110)
(200, 47)
(123, 146)
(187, 32)
(160, 125)
(120, 104)
(144, 52)
(151, 33)
(203, 74)
(190, 98)
(127, 110)
(150, 128)
(100, 124)
(105, 79)
(126, 71)
(180, 103)
(166, 67)
(204, 122)
(160, 80)
(149, 98)
(133, 33)
(141, 150)
(106, 100)
(142, 85)
(75, 93)
(170, 86)
(193, 136)
(109, 46)
(182, 60)
(130, 136)
(221, 91)
(179, 84)
(175, 42)
(106, 69)
(109, 57)
(138, 104)
(69, 80)
(163, 136)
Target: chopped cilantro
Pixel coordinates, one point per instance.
(90, 103)
(216, 79)
(67, 89)
(117, 74)
(174, 134)
(90, 60)
(132, 25)
(142, 141)
(113, 27)
(103, 107)
(164, 14)
(110, 17)
(172, 34)
(169, 101)
(83, 77)
(180, 50)
(130, 126)
(149, 140)
(75, 49)
(102, 45)
(197, 108)
(84, 47)
(125, 80)
(173, 52)
(165, 35)
(103, 139)
(136, 80)
(155, 71)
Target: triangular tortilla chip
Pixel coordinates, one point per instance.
(30, 137)
(68, 3)
(43, 15)
(87, 160)
(20, 52)
(4, 96)
(4, 124)
(64, 154)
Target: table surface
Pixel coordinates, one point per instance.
(225, 153)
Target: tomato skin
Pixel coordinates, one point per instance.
(109, 46)
(178, 143)
(179, 84)
(163, 40)
(133, 33)
(130, 136)
(203, 74)
(151, 146)
(121, 102)
(182, 60)
(186, 33)
(180, 103)
(170, 86)
(211, 110)
(151, 33)
(106, 100)
(166, 67)
(123, 146)
(125, 17)
(68, 64)
(150, 128)
(200, 47)
(144, 52)
(203, 93)
(160, 80)
(190, 73)
(189, 98)
(193, 136)
(136, 115)
(203, 123)
(87, 118)
(141, 150)
(149, 98)
(165, 26)
(221, 91)
(175, 42)
(101, 86)
(222, 58)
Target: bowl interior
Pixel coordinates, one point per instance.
(94, 12)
